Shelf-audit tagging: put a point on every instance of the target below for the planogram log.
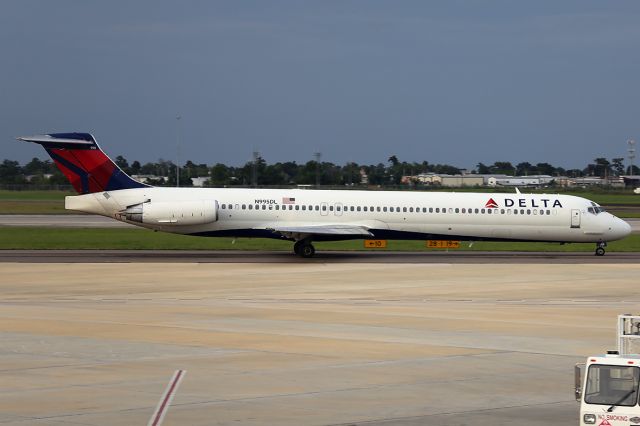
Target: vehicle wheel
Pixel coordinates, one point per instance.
(599, 251)
(296, 247)
(307, 251)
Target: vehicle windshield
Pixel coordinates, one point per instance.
(612, 385)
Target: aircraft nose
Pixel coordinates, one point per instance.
(620, 229)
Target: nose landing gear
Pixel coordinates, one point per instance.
(600, 248)
(304, 248)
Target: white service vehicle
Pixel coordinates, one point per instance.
(607, 385)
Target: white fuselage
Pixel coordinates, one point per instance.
(385, 214)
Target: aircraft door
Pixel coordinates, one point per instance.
(575, 218)
(338, 210)
(324, 209)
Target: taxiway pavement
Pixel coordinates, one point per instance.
(320, 343)
(239, 257)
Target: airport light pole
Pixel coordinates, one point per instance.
(178, 151)
(632, 154)
(317, 156)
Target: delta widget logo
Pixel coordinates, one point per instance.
(491, 204)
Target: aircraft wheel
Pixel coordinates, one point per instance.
(296, 247)
(600, 251)
(307, 250)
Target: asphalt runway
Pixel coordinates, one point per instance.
(303, 343)
(238, 256)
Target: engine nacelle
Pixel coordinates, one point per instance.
(173, 213)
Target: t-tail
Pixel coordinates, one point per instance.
(81, 160)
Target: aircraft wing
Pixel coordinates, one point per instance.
(328, 229)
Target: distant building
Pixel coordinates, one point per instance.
(461, 180)
(46, 176)
(147, 178)
(199, 181)
(364, 178)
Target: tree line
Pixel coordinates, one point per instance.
(258, 172)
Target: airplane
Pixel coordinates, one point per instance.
(304, 216)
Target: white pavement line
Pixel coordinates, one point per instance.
(163, 405)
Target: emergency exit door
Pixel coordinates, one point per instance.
(575, 218)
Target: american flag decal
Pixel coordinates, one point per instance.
(288, 200)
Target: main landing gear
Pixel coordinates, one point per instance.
(304, 248)
(600, 248)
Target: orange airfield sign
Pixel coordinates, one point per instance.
(443, 244)
(375, 243)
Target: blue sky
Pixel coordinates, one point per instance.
(456, 82)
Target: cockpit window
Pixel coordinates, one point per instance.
(595, 209)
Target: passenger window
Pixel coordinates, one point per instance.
(290, 207)
(477, 211)
(358, 208)
(431, 210)
(411, 209)
(317, 208)
(351, 208)
(384, 209)
(457, 210)
(297, 207)
(304, 207)
(378, 208)
(277, 207)
(244, 206)
(330, 208)
(482, 211)
(364, 208)
(437, 209)
(404, 209)
(250, 206)
(490, 211)
(391, 209)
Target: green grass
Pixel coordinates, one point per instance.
(138, 239)
(34, 195)
(33, 202)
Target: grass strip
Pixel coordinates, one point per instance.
(32, 238)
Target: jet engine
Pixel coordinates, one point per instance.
(173, 213)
